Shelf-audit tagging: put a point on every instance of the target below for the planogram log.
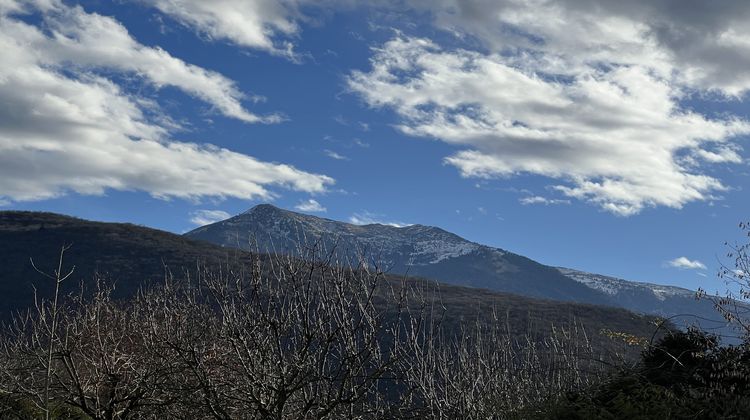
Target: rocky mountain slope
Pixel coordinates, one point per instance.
(673, 302)
(415, 250)
(434, 253)
(135, 256)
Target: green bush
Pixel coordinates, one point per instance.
(685, 375)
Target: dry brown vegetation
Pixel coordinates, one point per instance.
(282, 337)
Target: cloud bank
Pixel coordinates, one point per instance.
(616, 136)
(67, 125)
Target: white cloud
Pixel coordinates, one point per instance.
(333, 155)
(724, 154)
(83, 42)
(611, 134)
(684, 263)
(537, 199)
(368, 218)
(311, 206)
(703, 45)
(206, 217)
(66, 127)
(254, 24)
(360, 143)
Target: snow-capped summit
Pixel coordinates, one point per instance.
(620, 288)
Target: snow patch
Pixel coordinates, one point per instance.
(440, 250)
(613, 286)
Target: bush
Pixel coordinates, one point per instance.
(684, 375)
(280, 338)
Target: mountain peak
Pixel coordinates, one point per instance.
(417, 249)
(420, 243)
(263, 208)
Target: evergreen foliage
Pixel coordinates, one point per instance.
(684, 375)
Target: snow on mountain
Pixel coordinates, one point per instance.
(277, 229)
(614, 286)
(415, 249)
(434, 253)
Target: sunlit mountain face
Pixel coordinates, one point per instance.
(416, 250)
(434, 253)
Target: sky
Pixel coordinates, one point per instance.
(606, 136)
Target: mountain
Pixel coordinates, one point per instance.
(667, 301)
(131, 255)
(433, 253)
(135, 256)
(416, 250)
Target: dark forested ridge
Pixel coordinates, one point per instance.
(129, 254)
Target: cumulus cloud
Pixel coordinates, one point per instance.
(704, 45)
(311, 206)
(67, 125)
(333, 155)
(206, 217)
(260, 24)
(684, 263)
(537, 199)
(87, 41)
(368, 218)
(612, 135)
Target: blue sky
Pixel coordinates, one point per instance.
(601, 136)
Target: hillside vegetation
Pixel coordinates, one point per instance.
(134, 256)
(232, 334)
(287, 337)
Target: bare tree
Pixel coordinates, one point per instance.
(294, 338)
(481, 371)
(99, 363)
(734, 305)
(45, 337)
(309, 336)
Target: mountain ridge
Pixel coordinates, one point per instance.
(420, 250)
(134, 256)
(435, 253)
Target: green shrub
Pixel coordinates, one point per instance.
(684, 375)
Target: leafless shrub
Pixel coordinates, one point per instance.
(481, 371)
(282, 337)
(734, 304)
(86, 353)
(297, 338)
